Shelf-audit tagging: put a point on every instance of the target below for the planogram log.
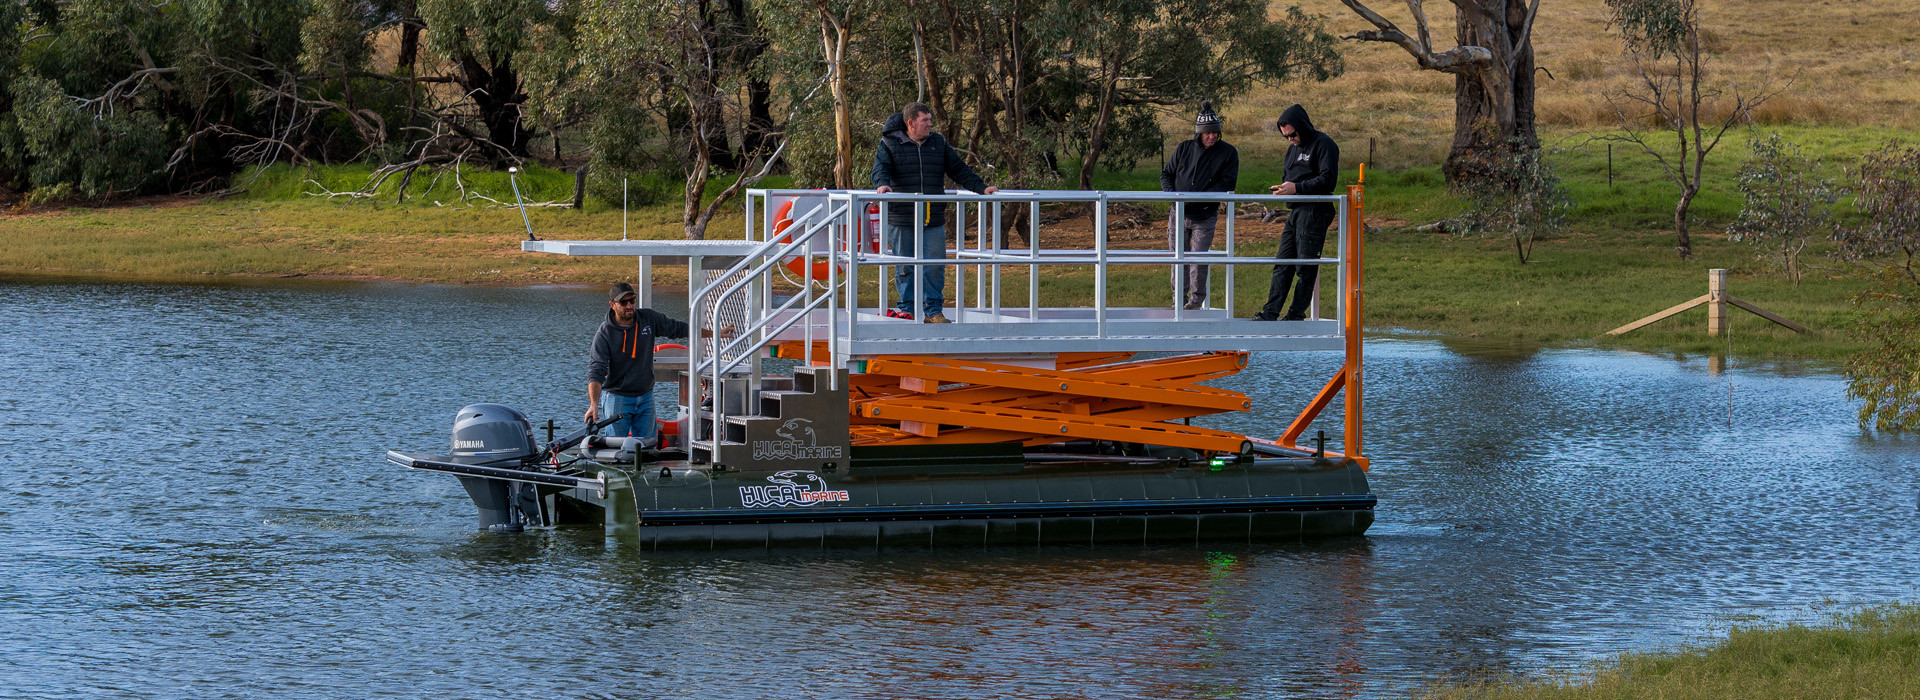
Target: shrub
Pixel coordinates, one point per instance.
(1884, 376)
(1786, 203)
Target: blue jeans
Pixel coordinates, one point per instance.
(636, 414)
(933, 240)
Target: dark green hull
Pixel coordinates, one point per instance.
(973, 500)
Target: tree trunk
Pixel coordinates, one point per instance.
(760, 136)
(409, 49)
(1685, 244)
(1015, 99)
(713, 123)
(1097, 141)
(496, 93)
(692, 227)
(1493, 106)
(833, 37)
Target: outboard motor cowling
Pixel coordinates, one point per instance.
(493, 435)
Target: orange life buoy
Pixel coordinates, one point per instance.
(797, 263)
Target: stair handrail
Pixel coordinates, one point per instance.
(750, 268)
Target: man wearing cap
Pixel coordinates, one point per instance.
(1203, 163)
(620, 362)
(1313, 167)
(912, 158)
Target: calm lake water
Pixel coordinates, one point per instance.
(193, 503)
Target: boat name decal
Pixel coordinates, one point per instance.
(790, 488)
(794, 447)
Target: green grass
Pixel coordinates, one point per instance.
(1874, 653)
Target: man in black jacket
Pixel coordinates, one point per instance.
(912, 158)
(1313, 167)
(1203, 163)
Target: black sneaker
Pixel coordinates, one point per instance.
(1261, 317)
(1291, 317)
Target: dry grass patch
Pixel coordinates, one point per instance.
(1841, 64)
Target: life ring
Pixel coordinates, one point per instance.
(797, 263)
(664, 346)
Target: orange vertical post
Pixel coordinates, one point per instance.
(1356, 230)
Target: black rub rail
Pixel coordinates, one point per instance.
(979, 511)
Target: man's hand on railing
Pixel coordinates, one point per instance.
(725, 331)
(883, 189)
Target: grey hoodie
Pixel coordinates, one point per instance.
(621, 357)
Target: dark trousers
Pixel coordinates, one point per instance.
(1303, 237)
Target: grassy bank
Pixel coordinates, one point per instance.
(1869, 654)
(1614, 263)
(1577, 287)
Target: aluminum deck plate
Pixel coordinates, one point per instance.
(1071, 330)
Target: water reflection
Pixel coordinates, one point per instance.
(197, 501)
(1499, 350)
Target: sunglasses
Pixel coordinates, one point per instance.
(627, 302)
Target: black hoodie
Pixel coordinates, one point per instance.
(621, 357)
(918, 168)
(1313, 166)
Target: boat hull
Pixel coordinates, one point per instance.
(674, 506)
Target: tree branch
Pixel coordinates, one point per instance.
(1462, 60)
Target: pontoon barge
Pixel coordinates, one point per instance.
(1017, 423)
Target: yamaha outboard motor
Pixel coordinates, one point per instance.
(492, 435)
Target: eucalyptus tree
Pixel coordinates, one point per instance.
(1788, 202)
(116, 95)
(1491, 63)
(1674, 103)
(483, 40)
(1130, 56)
(683, 66)
(1886, 243)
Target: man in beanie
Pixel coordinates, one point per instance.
(620, 362)
(1313, 167)
(1203, 163)
(913, 158)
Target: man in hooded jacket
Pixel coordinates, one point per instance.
(1313, 167)
(620, 362)
(912, 158)
(1203, 163)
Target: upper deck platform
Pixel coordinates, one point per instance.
(809, 267)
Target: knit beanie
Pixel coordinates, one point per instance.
(1207, 121)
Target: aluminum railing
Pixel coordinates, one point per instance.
(831, 235)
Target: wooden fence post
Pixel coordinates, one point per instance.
(580, 188)
(1716, 302)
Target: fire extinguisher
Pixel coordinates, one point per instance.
(873, 227)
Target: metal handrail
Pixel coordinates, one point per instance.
(843, 214)
(715, 299)
(997, 258)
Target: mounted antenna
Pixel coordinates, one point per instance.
(523, 204)
(623, 209)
